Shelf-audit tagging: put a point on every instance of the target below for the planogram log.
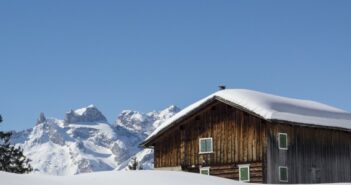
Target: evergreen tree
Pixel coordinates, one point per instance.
(11, 157)
(133, 164)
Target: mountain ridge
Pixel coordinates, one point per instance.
(84, 141)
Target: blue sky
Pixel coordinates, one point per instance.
(146, 55)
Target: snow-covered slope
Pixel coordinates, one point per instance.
(120, 177)
(85, 142)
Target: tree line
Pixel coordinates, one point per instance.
(12, 158)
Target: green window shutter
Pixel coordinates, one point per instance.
(205, 172)
(283, 174)
(283, 141)
(244, 174)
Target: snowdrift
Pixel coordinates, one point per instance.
(148, 177)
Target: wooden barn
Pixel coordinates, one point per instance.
(256, 137)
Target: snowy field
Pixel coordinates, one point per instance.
(118, 177)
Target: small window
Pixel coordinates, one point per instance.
(283, 141)
(316, 178)
(244, 173)
(283, 174)
(205, 171)
(205, 145)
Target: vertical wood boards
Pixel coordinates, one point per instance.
(237, 138)
(314, 155)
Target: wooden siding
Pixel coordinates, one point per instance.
(314, 155)
(238, 137)
(232, 171)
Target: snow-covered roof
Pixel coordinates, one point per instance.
(271, 107)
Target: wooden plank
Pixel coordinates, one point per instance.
(245, 137)
(311, 149)
(236, 138)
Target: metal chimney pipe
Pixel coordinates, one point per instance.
(221, 87)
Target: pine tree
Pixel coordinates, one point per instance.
(11, 157)
(133, 164)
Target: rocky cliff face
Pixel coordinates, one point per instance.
(88, 114)
(85, 142)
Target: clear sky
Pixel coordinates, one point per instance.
(146, 55)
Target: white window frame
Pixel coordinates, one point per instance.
(287, 174)
(248, 173)
(287, 141)
(205, 169)
(207, 152)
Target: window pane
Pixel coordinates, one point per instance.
(208, 145)
(244, 174)
(203, 146)
(204, 172)
(283, 174)
(283, 141)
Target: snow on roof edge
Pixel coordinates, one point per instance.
(270, 107)
(177, 116)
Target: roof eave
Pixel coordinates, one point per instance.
(311, 125)
(148, 141)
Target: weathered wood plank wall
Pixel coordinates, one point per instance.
(314, 155)
(238, 138)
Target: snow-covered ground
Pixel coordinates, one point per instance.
(118, 177)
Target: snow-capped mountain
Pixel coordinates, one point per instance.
(85, 142)
(144, 123)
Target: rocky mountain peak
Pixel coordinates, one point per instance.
(145, 123)
(169, 111)
(58, 147)
(173, 108)
(88, 114)
(41, 118)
